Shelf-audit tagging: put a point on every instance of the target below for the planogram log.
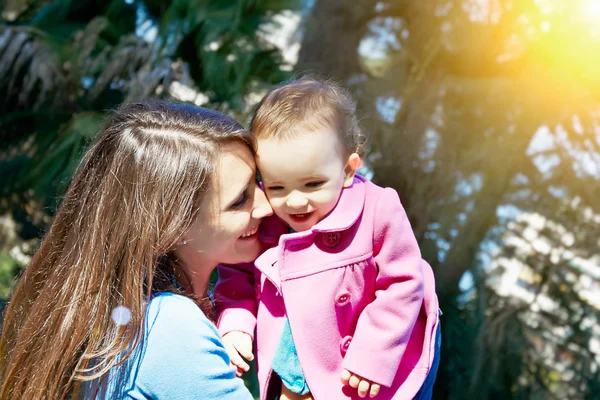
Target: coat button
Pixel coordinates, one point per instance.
(331, 239)
(344, 344)
(342, 298)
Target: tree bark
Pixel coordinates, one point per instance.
(465, 246)
(332, 34)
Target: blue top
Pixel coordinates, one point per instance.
(286, 363)
(182, 357)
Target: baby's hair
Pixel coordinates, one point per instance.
(309, 104)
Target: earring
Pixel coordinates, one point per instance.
(184, 242)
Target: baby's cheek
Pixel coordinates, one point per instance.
(328, 200)
(277, 205)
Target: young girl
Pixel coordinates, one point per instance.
(342, 303)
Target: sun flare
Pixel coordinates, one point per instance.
(591, 9)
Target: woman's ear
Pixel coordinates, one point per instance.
(353, 164)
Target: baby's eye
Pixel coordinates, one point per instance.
(315, 184)
(275, 188)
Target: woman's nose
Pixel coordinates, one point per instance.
(262, 208)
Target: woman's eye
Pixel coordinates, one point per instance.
(315, 184)
(240, 201)
(275, 188)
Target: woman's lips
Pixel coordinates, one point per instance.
(250, 233)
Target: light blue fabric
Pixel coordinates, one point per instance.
(182, 358)
(286, 364)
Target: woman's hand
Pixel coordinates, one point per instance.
(363, 385)
(239, 344)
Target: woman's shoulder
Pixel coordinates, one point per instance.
(174, 304)
(171, 311)
(182, 355)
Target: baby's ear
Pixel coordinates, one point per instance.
(353, 164)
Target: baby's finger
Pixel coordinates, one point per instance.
(245, 352)
(363, 388)
(374, 390)
(354, 381)
(236, 359)
(346, 376)
(242, 364)
(230, 351)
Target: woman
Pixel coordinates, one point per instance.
(166, 192)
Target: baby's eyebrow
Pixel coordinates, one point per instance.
(271, 179)
(313, 177)
(268, 182)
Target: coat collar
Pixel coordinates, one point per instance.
(347, 210)
(345, 214)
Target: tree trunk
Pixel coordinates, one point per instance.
(482, 218)
(332, 34)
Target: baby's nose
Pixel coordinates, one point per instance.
(296, 200)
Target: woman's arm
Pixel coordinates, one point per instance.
(183, 356)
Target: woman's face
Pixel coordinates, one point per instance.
(225, 231)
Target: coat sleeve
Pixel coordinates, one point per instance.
(385, 325)
(235, 298)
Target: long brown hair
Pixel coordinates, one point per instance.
(135, 193)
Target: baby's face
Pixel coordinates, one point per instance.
(303, 176)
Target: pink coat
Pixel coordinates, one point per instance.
(356, 292)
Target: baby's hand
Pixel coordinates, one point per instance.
(239, 344)
(363, 385)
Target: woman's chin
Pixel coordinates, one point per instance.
(246, 251)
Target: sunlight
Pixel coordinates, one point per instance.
(591, 8)
(569, 37)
